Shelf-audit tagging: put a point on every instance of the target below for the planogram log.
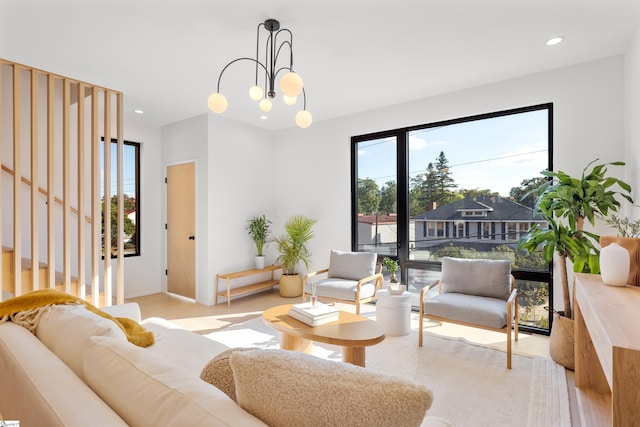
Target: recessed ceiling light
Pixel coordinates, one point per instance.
(263, 117)
(555, 40)
(138, 111)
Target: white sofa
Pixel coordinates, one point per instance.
(38, 388)
(78, 369)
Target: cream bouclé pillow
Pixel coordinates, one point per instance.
(287, 388)
(219, 374)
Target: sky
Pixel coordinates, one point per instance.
(495, 154)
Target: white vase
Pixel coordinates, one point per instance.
(614, 265)
(260, 262)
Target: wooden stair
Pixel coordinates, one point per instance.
(8, 285)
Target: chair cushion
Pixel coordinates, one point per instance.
(341, 289)
(483, 277)
(352, 265)
(485, 311)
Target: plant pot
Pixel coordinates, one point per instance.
(260, 262)
(290, 285)
(561, 341)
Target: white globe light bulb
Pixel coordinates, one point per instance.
(291, 84)
(256, 93)
(303, 119)
(265, 105)
(289, 100)
(217, 103)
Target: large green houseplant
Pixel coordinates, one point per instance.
(565, 202)
(258, 229)
(292, 249)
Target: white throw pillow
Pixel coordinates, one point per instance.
(147, 390)
(66, 329)
(287, 388)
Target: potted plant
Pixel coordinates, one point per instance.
(392, 266)
(258, 229)
(565, 202)
(292, 250)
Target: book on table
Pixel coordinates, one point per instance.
(314, 315)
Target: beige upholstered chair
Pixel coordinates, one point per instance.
(352, 277)
(474, 292)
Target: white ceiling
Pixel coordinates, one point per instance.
(354, 55)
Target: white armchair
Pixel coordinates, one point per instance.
(352, 277)
(474, 292)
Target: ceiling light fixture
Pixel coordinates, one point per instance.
(555, 40)
(266, 66)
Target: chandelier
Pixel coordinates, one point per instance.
(267, 70)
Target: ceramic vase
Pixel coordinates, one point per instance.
(614, 265)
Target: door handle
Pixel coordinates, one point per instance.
(192, 237)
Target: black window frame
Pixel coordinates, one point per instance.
(402, 170)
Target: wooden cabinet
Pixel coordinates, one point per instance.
(263, 283)
(607, 349)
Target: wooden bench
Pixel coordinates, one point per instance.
(245, 289)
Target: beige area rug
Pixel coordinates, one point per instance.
(471, 384)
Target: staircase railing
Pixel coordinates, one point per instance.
(56, 123)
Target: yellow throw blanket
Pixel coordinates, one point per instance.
(135, 333)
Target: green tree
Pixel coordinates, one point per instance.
(445, 184)
(526, 193)
(477, 193)
(368, 196)
(423, 189)
(388, 198)
(128, 225)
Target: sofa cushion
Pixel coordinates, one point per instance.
(38, 389)
(287, 388)
(341, 289)
(483, 277)
(147, 390)
(219, 374)
(485, 311)
(66, 329)
(352, 265)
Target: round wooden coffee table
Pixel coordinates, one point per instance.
(351, 331)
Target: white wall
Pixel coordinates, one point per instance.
(143, 274)
(632, 90)
(588, 123)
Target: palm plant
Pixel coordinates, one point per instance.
(292, 245)
(564, 203)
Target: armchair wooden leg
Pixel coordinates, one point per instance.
(508, 348)
(421, 319)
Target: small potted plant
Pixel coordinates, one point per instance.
(392, 266)
(258, 229)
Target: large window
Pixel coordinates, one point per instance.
(131, 185)
(459, 188)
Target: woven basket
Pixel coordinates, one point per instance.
(561, 341)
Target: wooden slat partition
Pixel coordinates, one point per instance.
(70, 122)
(35, 237)
(17, 200)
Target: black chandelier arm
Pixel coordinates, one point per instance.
(289, 43)
(240, 59)
(258, 48)
(304, 98)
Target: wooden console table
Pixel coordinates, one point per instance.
(228, 293)
(607, 349)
